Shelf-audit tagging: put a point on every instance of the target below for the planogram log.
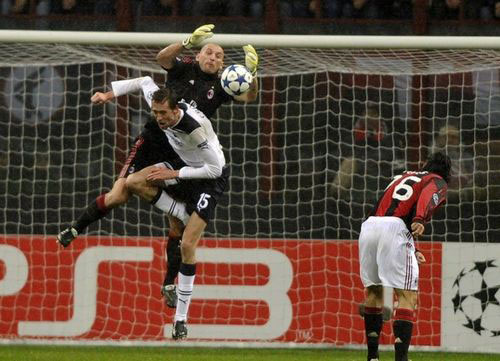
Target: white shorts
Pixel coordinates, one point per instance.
(387, 254)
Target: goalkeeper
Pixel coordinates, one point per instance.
(197, 82)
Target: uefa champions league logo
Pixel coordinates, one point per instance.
(477, 297)
(33, 93)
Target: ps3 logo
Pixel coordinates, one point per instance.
(85, 291)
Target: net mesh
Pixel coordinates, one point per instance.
(330, 128)
(286, 150)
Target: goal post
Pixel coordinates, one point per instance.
(258, 40)
(336, 118)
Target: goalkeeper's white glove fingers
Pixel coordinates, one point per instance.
(200, 34)
(251, 59)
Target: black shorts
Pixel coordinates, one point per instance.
(150, 147)
(201, 195)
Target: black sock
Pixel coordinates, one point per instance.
(188, 269)
(402, 328)
(174, 259)
(373, 327)
(95, 211)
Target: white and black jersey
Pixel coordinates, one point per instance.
(205, 177)
(151, 146)
(194, 140)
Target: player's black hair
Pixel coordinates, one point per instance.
(440, 164)
(165, 94)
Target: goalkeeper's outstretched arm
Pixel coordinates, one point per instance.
(251, 63)
(166, 57)
(251, 94)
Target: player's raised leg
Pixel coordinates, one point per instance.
(117, 196)
(96, 210)
(153, 192)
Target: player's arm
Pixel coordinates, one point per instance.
(251, 63)
(166, 57)
(420, 256)
(252, 93)
(102, 98)
(122, 87)
(212, 167)
(127, 86)
(431, 197)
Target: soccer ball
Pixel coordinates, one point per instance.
(477, 297)
(236, 79)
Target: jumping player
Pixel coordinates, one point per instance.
(201, 182)
(197, 83)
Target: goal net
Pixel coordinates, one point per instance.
(308, 159)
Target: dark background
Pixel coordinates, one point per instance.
(284, 151)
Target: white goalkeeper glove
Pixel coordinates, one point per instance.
(251, 59)
(200, 34)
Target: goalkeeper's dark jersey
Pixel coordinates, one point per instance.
(412, 196)
(199, 89)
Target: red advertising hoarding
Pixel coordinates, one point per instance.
(108, 288)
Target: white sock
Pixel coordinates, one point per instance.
(184, 291)
(171, 207)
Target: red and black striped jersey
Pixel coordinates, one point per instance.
(412, 196)
(197, 88)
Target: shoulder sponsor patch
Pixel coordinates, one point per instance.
(435, 198)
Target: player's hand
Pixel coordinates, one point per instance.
(161, 174)
(101, 98)
(200, 34)
(420, 257)
(417, 229)
(251, 59)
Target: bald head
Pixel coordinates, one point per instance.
(211, 58)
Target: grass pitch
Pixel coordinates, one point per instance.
(105, 353)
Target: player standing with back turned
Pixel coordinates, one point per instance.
(387, 253)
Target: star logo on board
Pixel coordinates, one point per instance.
(477, 297)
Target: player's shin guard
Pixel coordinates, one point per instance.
(185, 285)
(95, 211)
(402, 328)
(173, 259)
(373, 327)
